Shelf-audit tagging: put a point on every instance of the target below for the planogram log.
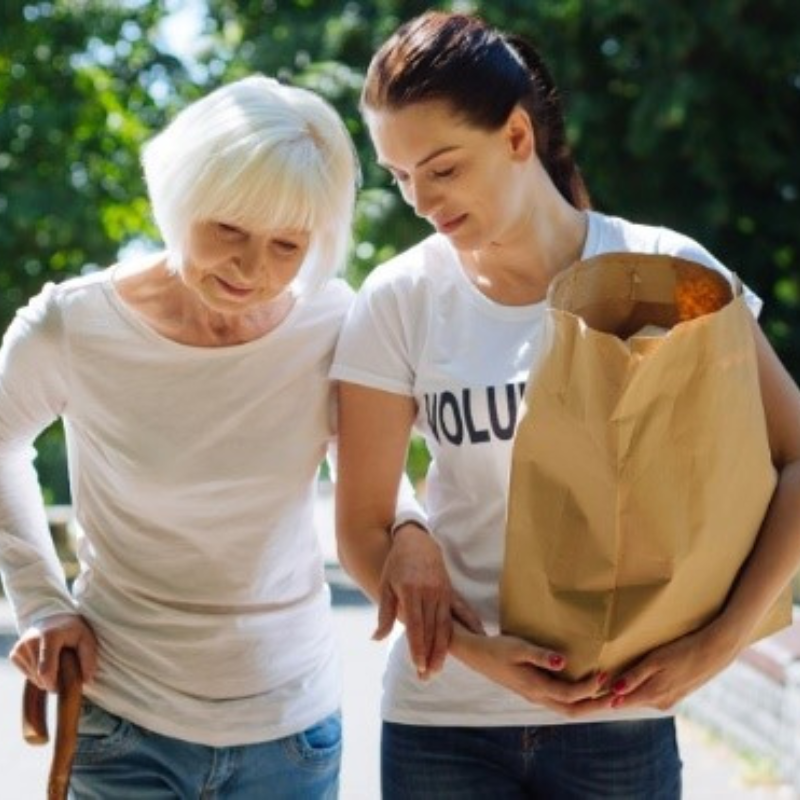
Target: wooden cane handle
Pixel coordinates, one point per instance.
(34, 721)
(34, 714)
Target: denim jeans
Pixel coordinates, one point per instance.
(117, 759)
(626, 760)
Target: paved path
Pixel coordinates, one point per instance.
(712, 771)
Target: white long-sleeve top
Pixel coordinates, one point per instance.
(193, 476)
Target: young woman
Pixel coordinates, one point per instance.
(194, 389)
(468, 122)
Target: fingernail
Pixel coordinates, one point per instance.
(602, 677)
(555, 660)
(617, 701)
(619, 686)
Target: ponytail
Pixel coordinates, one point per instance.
(543, 104)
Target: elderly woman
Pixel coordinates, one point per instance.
(194, 391)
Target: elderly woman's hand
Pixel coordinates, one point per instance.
(37, 652)
(415, 588)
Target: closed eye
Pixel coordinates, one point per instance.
(285, 246)
(443, 173)
(229, 230)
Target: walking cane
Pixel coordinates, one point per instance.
(34, 721)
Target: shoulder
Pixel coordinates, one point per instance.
(333, 299)
(419, 268)
(324, 309)
(338, 293)
(617, 234)
(77, 289)
(48, 309)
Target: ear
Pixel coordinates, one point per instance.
(519, 134)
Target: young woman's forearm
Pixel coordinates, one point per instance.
(775, 557)
(772, 564)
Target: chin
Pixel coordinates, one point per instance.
(226, 305)
(464, 240)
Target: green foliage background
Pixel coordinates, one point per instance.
(681, 113)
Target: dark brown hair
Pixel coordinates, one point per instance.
(482, 74)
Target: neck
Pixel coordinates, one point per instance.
(203, 327)
(518, 268)
(160, 298)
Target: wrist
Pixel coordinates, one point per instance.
(464, 644)
(405, 525)
(727, 635)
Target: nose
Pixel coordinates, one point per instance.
(420, 197)
(252, 258)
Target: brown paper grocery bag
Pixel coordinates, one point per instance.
(641, 470)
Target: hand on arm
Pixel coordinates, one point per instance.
(416, 589)
(406, 575)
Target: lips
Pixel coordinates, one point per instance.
(449, 224)
(235, 291)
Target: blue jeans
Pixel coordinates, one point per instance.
(117, 759)
(610, 760)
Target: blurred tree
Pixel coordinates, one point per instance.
(680, 115)
(81, 84)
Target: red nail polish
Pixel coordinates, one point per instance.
(602, 677)
(617, 701)
(555, 660)
(619, 686)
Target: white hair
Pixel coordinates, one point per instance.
(259, 155)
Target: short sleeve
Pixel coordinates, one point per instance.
(374, 345)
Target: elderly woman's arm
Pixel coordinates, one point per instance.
(32, 395)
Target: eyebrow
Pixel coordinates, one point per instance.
(424, 161)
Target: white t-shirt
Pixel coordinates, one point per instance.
(193, 474)
(420, 328)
